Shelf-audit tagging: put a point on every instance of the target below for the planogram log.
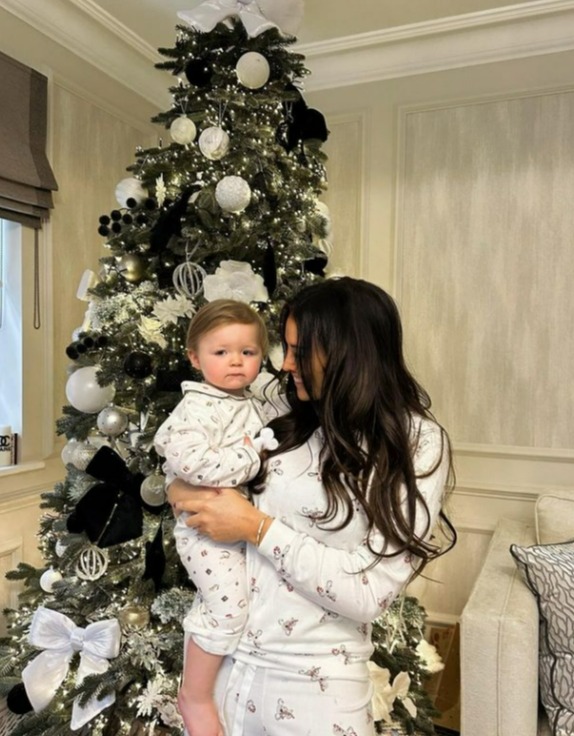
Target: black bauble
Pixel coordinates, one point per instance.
(138, 365)
(198, 73)
(17, 700)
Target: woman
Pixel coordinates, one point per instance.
(350, 498)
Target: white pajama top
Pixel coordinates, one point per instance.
(202, 440)
(313, 594)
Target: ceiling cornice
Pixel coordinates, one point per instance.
(500, 34)
(518, 31)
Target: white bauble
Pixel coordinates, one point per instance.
(183, 130)
(48, 578)
(233, 193)
(60, 548)
(83, 455)
(213, 143)
(152, 490)
(85, 394)
(252, 70)
(130, 188)
(111, 421)
(68, 450)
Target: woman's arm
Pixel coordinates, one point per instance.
(339, 580)
(222, 514)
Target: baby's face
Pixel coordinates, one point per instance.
(229, 357)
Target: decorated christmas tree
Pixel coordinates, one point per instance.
(227, 205)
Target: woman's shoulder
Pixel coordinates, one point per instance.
(428, 438)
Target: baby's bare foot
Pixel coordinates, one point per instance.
(200, 717)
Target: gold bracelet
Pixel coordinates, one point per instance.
(260, 530)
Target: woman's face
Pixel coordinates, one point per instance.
(291, 366)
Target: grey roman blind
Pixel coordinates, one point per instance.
(26, 178)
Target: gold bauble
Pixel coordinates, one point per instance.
(134, 617)
(132, 267)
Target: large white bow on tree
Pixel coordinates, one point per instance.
(61, 639)
(256, 15)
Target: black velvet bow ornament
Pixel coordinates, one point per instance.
(111, 511)
(317, 263)
(155, 559)
(169, 222)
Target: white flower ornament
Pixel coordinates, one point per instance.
(385, 694)
(235, 280)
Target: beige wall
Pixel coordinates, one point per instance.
(464, 215)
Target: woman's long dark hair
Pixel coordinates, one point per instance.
(365, 407)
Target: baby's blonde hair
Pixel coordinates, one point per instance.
(224, 312)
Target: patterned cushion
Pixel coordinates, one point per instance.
(548, 570)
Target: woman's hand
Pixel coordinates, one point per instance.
(222, 514)
(179, 490)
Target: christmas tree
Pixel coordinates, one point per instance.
(226, 206)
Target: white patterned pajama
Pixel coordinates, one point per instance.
(203, 443)
(300, 665)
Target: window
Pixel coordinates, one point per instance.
(25, 392)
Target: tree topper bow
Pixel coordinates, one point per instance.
(256, 15)
(61, 639)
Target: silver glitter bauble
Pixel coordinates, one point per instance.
(183, 130)
(233, 193)
(152, 490)
(68, 450)
(49, 578)
(252, 70)
(213, 143)
(111, 421)
(83, 455)
(92, 563)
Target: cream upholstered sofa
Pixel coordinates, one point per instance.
(500, 629)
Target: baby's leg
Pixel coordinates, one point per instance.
(219, 612)
(195, 698)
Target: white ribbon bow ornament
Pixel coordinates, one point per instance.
(61, 639)
(256, 15)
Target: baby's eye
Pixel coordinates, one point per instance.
(220, 352)
(249, 352)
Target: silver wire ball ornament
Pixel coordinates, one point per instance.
(112, 422)
(92, 563)
(188, 279)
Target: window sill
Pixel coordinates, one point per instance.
(21, 468)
